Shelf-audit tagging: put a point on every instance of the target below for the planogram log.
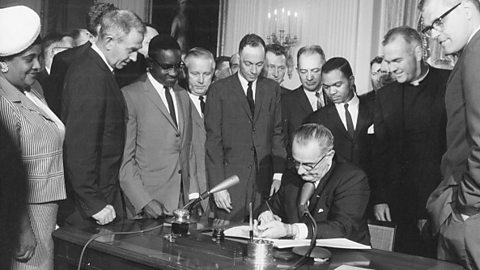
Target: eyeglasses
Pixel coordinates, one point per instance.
(309, 166)
(437, 24)
(169, 67)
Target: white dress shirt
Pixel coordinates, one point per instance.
(97, 50)
(352, 109)
(196, 102)
(244, 84)
(161, 92)
(312, 98)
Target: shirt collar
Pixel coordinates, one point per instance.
(419, 80)
(154, 82)
(473, 34)
(244, 81)
(96, 49)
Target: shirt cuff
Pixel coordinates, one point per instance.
(277, 176)
(302, 231)
(194, 195)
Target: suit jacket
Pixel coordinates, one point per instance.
(199, 136)
(157, 157)
(94, 114)
(356, 150)
(338, 204)
(38, 138)
(239, 144)
(461, 162)
(403, 184)
(295, 108)
(61, 63)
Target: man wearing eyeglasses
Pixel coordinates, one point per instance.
(455, 205)
(338, 203)
(409, 126)
(158, 169)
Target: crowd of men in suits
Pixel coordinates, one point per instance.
(149, 129)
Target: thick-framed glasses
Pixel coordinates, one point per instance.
(437, 24)
(169, 67)
(309, 166)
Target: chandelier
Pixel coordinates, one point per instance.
(283, 28)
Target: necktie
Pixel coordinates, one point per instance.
(250, 98)
(202, 103)
(319, 100)
(171, 108)
(350, 128)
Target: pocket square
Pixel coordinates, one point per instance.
(320, 210)
(371, 130)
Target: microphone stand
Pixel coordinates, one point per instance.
(313, 241)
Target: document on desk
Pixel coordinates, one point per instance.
(243, 232)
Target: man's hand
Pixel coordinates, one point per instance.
(223, 201)
(275, 229)
(267, 217)
(155, 209)
(26, 242)
(382, 212)
(105, 216)
(275, 186)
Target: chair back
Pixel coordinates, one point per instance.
(382, 234)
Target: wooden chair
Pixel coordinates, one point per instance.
(382, 234)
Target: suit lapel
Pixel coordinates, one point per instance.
(334, 115)
(181, 108)
(155, 98)
(259, 97)
(304, 102)
(14, 95)
(362, 120)
(242, 98)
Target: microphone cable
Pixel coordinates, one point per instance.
(111, 234)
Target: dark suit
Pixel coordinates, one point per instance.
(409, 128)
(239, 145)
(459, 190)
(295, 108)
(356, 149)
(61, 63)
(63, 60)
(94, 114)
(338, 204)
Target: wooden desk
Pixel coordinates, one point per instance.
(151, 250)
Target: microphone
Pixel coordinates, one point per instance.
(307, 192)
(227, 183)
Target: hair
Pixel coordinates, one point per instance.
(307, 133)
(423, 3)
(221, 59)
(276, 49)
(95, 14)
(75, 33)
(162, 42)
(376, 60)
(339, 63)
(119, 23)
(311, 49)
(251, 40)
(198, 52)
(410, 35)
(51, 39)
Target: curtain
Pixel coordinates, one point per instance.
(342, 27)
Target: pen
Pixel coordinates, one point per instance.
(251, 222)
(268, 205)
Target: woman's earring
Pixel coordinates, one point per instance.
(3, 67)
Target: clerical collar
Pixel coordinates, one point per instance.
(419, 80)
